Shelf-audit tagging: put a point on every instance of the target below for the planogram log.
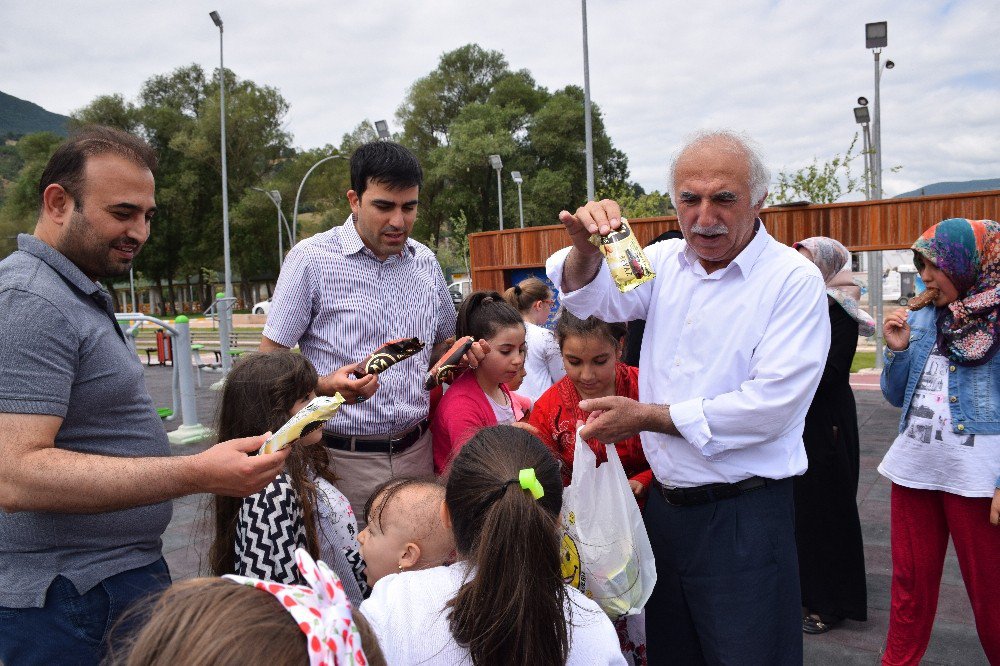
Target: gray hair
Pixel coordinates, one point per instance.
(760, 175)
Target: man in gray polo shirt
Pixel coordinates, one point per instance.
(86, 476)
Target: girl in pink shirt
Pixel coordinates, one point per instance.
(480, 397)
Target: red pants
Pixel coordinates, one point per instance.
(921, 522)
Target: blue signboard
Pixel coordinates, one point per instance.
(519, 274)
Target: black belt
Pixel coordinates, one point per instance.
(390, 446)
(713, 492)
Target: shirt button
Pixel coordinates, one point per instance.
(688, 322)
(960, 427)
(953, 398)
(677, 362)
(951, 368)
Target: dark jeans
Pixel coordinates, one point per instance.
(727, 588)
(73, 628)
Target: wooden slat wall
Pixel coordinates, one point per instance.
(861, 226)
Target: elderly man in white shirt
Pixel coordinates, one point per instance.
(735, 342)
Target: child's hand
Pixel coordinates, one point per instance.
(995, 508)
(477, 352)
(896, 330)
(638, 489)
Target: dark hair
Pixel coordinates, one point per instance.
(259, 392)
(569, 324)
(512, 609)
(67, 164)
(387, 163)
(483, 313)
(221, 622)
(389, 489)
(526, 293)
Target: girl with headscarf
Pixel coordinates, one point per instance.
(942, 369)
(827, 527)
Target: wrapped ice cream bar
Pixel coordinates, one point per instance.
(388, 355)
(445, 369)
(923, 299)
(628, 263)
(307, 420)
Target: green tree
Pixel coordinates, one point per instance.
(473, 105)
(819, 182)
(20, 206)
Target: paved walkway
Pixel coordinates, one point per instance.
(954, 640)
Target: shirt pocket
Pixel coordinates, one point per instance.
(983, 382)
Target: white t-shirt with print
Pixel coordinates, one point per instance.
(337, 531)
(929, 454)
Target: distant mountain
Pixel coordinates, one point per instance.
(953, 188)
(18, 117)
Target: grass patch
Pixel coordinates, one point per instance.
(863, 359)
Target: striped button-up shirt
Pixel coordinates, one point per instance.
(338, 302)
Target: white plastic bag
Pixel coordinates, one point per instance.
(605, 549)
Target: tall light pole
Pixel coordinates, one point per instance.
(295, 210)
(588, 128)
(382, 127)
(217, 20)
(516, 175)
(275, 197)
(497, 164)
(876, 38)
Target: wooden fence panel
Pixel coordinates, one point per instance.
(861, 226)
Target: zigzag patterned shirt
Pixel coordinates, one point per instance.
(269, 529)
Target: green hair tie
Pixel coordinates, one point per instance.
(530, 482)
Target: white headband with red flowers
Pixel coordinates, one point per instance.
(322, 611)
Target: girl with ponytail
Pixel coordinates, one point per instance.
(481, 397)
(505, 601)
(543, 365)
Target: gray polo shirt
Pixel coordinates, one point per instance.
(62, 353)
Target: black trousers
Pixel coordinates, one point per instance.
(727, 589)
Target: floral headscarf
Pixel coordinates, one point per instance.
(833, 261)
(968, 252)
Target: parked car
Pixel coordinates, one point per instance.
(459, 289)
(262, 307)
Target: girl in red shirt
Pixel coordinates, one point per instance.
(591, 351)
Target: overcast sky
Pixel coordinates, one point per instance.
(788, 72)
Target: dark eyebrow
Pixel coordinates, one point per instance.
(131, 207)
(386, 202)
(724, 195)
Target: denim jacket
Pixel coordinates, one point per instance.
(973, 392)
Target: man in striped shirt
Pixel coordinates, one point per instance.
(345, 292)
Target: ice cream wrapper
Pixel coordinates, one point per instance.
(306, 420)
(628, 263)
(388, 355)
(445, 370)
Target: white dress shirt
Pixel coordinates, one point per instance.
(737, 354)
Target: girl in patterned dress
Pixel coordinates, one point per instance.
(257, 536)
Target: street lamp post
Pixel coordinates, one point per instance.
(516, 175)
(225, 305)
(275, 197)
(876, 38)
(497, 164)
(295, 209)
(588, 128)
